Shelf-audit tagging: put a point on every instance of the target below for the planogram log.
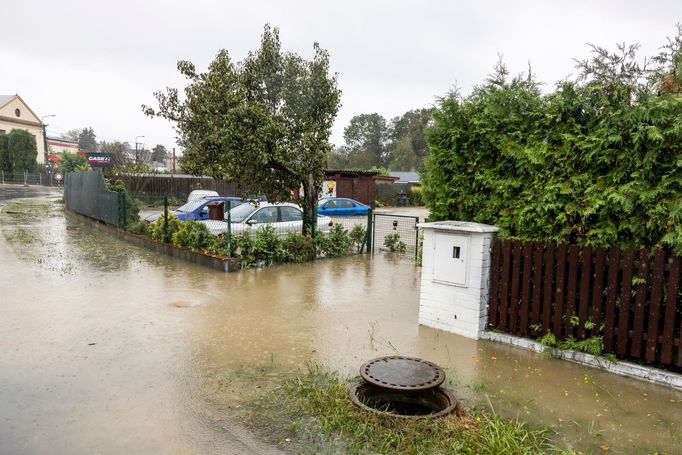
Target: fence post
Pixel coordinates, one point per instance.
(369, 234)
(3, 176)
(123, 210)
(25, 177)
(165, 219)
(229, 232)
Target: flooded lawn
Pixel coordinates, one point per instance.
(108, 348)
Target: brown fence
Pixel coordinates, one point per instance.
(633, 298)
(154, 186)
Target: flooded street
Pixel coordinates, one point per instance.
(109, 348)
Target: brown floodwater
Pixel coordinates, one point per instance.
(108, 348)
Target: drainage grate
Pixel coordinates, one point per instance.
(402, 373)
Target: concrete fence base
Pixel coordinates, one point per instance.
(628, 369)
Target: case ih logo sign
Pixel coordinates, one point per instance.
(99, 159)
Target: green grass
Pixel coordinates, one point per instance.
(313, 414)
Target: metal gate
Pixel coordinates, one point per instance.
(389, 231)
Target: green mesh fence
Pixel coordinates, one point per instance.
(87, 194)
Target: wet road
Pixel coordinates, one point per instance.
(108, 348)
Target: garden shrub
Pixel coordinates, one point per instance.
(297, 247)
(415, 196)
(193, 235)
(394, 244)
(268, 245)
(243, 247)
(336, 243)
(357, 237)
(218, 245)
(139, 227)
(156, 227)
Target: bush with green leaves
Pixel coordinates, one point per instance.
(596, 162)
(394, 244)
(244, 248)
(156, 227)
(336, 243)
(297, 247)
(415, 196)
(268, 245)
(139, 227)
(193, 235)
(358, 236)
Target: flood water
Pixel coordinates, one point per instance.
(108, 348)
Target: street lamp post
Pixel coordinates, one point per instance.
(137, 155)
(45, 138)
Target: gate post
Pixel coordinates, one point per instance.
(456, 276)
(369, 233)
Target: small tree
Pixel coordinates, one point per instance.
(5, 162)
(264, 122)
(87, 140)
(159, 153)
(71, 162)
(22, 150)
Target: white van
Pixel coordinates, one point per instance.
(201, 194)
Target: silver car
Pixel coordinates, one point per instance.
(283, 217)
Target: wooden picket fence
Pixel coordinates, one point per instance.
(633, 298)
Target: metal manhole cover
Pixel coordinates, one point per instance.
(402, 373)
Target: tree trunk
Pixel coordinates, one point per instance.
(309, 204)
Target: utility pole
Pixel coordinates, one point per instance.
(137, 155)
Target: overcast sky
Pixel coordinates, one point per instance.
(93, 63)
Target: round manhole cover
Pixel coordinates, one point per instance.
(402, 373)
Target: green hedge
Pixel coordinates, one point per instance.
(596, 162)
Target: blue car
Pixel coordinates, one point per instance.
(341, 206)
(198, 209)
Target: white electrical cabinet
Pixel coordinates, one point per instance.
(450, 258)
(455, 276)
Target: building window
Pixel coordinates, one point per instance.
(17, 112)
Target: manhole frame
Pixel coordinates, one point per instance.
(449, 396)
(437, 381)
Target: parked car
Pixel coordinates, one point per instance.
(284, 217)
(201, 194)
(198, 209)
(341, 206)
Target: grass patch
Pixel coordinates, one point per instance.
(313, 414)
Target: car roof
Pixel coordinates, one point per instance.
(222, 198)
(274, 204)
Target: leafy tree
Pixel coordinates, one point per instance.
(408, 147)
(121, 155)
(87, 140)
(21, 150)
(85, 137)
(72, 162)
(596, 162)
(72, 135)
(263, 122)
(366, 138)
(159, 153)
(5, 162)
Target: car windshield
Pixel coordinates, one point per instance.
(239, 213)
(191, 206)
